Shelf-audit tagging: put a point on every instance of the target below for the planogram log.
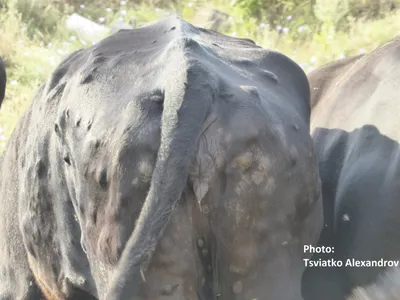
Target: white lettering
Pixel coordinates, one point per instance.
(318, 249)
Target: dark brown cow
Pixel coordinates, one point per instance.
(165, 162)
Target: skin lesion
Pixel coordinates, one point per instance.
(244, 161)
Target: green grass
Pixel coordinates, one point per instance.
(33, 42)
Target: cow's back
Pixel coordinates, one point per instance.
(364, 94)
(329, 75)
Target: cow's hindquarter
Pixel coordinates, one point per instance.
(189, 93)
(46, 217)
(256, 185)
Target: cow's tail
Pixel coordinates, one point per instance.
(188, 99)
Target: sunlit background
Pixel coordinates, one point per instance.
(35, 35)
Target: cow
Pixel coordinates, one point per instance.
(356, 132)
(3, 81)
(164, 162)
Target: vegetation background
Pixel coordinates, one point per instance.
(34, 37)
